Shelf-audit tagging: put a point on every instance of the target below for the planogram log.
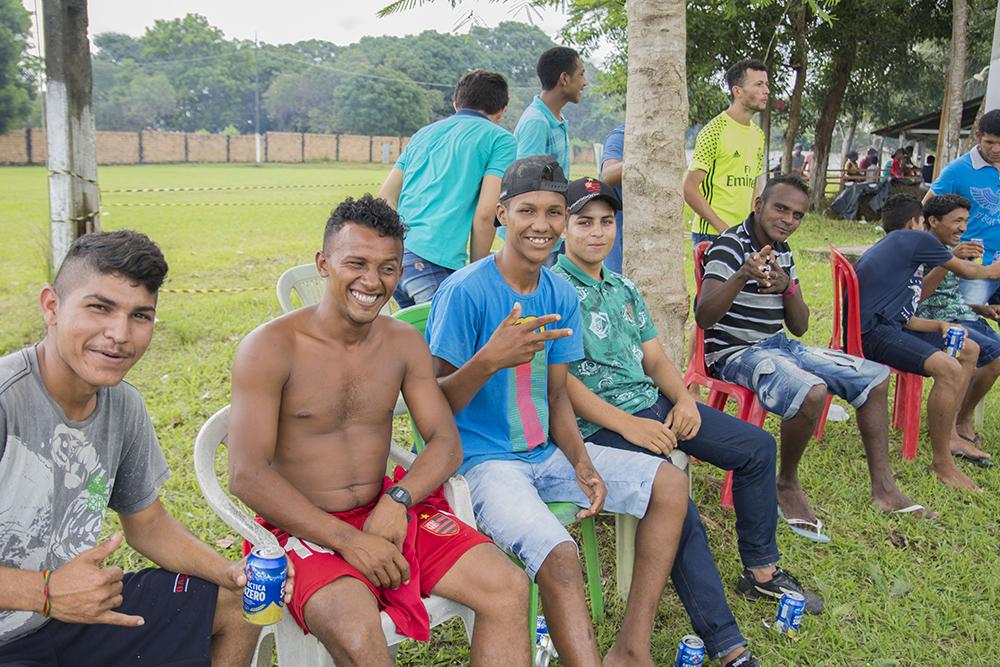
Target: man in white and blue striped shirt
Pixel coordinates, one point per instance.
(750, 294)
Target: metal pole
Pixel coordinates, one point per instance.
(992, 100)
(74, 198)
(256, 98)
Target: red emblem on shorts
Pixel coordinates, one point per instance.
(592, 186)
(181, 583)
(441, 525)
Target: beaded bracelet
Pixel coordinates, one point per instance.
(47, 606)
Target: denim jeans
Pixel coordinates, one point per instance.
(730, 444)
(420, 280)
(508, 497)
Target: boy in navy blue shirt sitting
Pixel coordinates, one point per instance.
(890, 277)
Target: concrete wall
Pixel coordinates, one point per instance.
(205, 148)
(321, 147)
(243, 148)
(161, 147)
(117, 147)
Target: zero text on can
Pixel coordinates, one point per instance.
(264, 593)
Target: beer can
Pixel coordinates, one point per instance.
(982, 244)
(264, 593)
(690, 651)
(953, 340)
(790, 610)
(545, 650)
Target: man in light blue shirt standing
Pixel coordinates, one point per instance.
(446, 184)
(976, 176)
(542, 130)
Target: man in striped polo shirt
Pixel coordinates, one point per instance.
(750, 293)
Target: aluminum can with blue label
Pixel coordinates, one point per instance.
(690, 652)
(545, 650)
(981, 244)
(790, 610)
(264, 593)
(953, 340)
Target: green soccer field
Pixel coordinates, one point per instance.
(899, 591)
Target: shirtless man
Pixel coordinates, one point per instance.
(313, 397)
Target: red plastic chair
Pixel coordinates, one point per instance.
(909, 395)
(748, 408)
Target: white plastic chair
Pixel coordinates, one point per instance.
(305, 281)
(625, 527)
(296, 649)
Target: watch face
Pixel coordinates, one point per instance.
(400, 495)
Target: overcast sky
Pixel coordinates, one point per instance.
(338, 21)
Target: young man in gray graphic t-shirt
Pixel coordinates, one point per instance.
(76, 439)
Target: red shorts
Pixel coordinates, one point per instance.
(435, 540)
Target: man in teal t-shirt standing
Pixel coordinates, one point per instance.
(446, 184)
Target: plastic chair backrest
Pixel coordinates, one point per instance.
(698, 358)
(845, 293)
(415, 316)
(305, 281)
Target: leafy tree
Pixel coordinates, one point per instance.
(16, 90)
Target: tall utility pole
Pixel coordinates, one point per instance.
(74, 198)
(992, 100)
(256, 97)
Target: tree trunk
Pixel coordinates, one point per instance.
(765, 120)
(74, 198)
(951, 115)
(656, 117)
(845, 148)
(843, 64)
(795, 102)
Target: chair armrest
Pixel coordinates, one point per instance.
(456, 489)
(456, 492)
(212, 436)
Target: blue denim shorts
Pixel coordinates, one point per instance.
(697, 238)
(509, 497)
(978, 330)
(781, 371)
(978, 292)
(420, 280)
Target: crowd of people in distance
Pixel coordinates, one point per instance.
(540, 378)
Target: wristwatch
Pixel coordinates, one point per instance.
(400, 495)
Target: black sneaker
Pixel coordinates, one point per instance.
(745, 659)
(781, 583)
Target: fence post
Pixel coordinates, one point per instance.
(337, 153)
(186, 147)
(302, 147)
(27, 144)
(371, 143)
(266, 134)
(142, 149)
(228, 138)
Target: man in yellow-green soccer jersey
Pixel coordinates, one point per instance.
(728, 156)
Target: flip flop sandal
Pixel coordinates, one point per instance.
(816, 534)
(975, 440)
(981, 461)
(909, 510)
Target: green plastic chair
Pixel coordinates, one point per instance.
(565, 512)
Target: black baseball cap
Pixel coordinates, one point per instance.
(537, 172)
(582, 190)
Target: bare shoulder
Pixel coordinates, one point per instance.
(404, 338)
(270, 345)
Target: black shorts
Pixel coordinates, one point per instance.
(178, 610)
(890, 344)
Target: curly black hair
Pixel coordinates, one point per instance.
(898, 210)
(939, 206)
(366, 211)
(125, 253)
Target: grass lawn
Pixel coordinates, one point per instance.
(898, 591)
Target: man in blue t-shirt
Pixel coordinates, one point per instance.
(446, 184)
(890, 276)
(503, 368)
(976, 176)
(612, 162)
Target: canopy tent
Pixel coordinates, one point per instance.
(927, 124)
